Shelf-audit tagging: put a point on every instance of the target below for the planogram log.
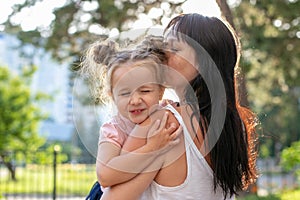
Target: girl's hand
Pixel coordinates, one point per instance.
(162, 135)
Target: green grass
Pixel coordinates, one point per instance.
(285, 195)
(77, 180)
(290, 195)
(37, 179)
(255, 197)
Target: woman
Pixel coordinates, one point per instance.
(220, 159)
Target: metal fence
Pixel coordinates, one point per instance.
(273, 179)
(73, 181)
(49, 181)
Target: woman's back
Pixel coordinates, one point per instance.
(187, 177)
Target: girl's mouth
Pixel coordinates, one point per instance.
(136, 111)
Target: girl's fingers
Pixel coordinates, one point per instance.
(164, 121)
(174, 142)
(176, 133)
(154, 127)
(174, 137)
(171, 129)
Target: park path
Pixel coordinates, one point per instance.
(39, 197)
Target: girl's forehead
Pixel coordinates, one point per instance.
(133, 76)
(135, 72)
(134, 68)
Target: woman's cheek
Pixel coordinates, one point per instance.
(173, 61)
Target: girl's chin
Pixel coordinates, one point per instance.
(137, 120)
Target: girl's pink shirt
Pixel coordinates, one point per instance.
(116, 130)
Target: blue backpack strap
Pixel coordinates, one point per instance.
(95, 193)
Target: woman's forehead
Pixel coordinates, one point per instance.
(175, 37)
(170, 34)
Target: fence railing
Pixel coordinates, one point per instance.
(73, 181)
(67, 181)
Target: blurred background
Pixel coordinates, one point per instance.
(49, 126)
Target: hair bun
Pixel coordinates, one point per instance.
(154, 45)
(104, 52)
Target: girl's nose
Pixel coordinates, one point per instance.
(135, 98)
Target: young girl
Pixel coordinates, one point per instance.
(133, 80)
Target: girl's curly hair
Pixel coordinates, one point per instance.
(102, 57)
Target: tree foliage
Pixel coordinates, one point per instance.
(71, 31)
(270, 37)
(291, 156)
(46, 154)
(19, 117)
(269, 32)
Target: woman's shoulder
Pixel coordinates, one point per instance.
(166, 106)
(166, 102)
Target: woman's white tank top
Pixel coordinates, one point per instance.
(199, 181)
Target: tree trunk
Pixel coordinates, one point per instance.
(225, 11)
(242, 90)
(11, 168)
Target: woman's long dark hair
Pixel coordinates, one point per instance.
(233, 156)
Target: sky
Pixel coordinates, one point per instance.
(30, 18)
(41, 14)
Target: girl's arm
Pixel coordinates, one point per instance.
(113, 168)
(134, 188)
(130, 190)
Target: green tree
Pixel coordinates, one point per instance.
(270, 37)
(269, 32)
(19, 117)
(69, 34)
(290, 157)
(45, 155)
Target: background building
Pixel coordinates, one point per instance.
(50, 78)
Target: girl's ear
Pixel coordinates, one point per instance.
(161, 92)
(110, 94)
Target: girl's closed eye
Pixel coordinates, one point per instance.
(146, 91)
(124, 94)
